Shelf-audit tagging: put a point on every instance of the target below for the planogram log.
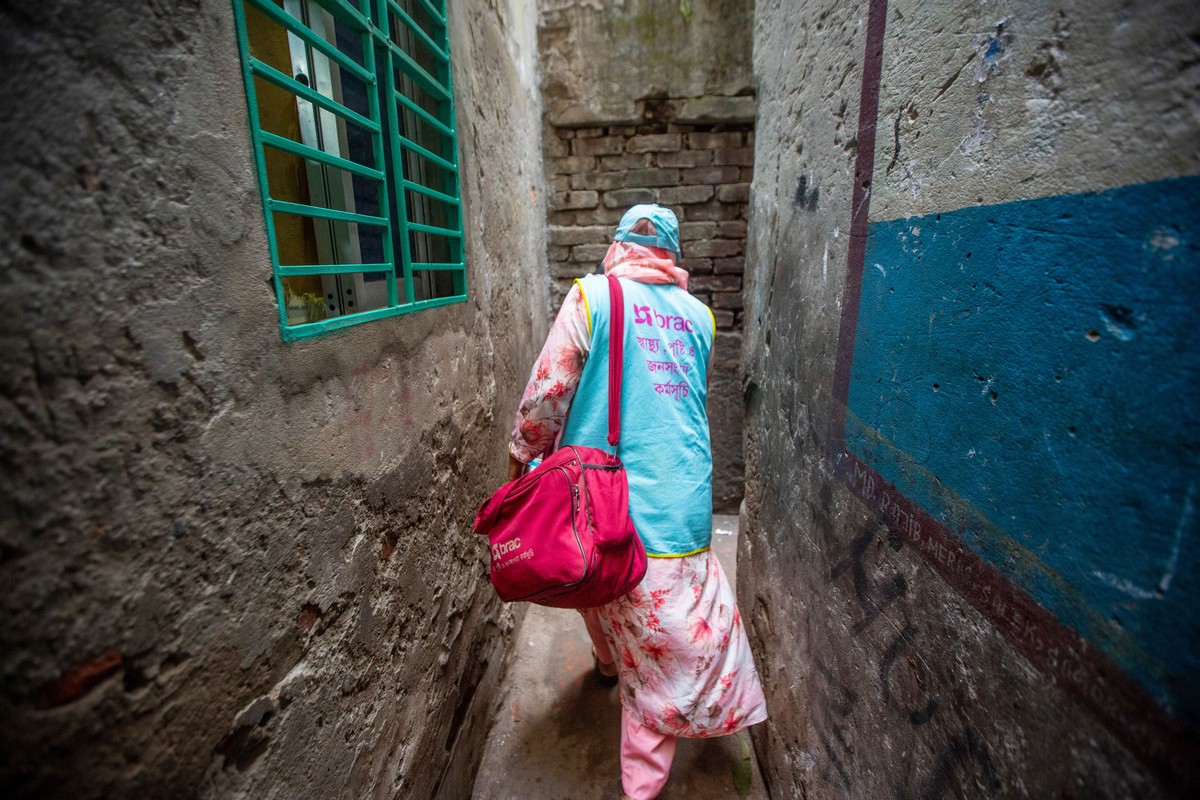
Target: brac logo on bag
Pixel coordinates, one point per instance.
(501, 549)
(505, 548)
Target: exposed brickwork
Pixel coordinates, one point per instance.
(700, 172)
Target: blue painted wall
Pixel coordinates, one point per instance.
(1027, 373)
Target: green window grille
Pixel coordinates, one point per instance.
(352, 119)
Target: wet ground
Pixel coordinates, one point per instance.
(558, 731)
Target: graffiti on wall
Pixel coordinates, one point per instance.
(1016, 387)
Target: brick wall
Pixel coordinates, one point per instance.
(701, 172)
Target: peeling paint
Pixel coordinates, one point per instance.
(991, 49)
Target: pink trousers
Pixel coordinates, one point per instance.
(646, 755)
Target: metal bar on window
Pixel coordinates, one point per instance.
(312, 153)
(420, 305)
(418, 226)
(301, 210)
(289, 270)
(453, 183)
(436, 231)
(439, 267)
(434, 193)
(239, 17)
(325, 326)
(418, 73)
(421, 151)
(412, 25)
(311, 38)
(401, 223)
(375, 99)
(346, 12)
(412, 105)
(269, 73)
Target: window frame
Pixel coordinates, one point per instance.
(384, 61)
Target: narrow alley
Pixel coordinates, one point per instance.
(557, 729)
(276, 275)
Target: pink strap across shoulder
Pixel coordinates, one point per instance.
(616, 357)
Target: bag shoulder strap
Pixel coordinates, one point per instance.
(616, 358)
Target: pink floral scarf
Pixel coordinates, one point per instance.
(643, 264)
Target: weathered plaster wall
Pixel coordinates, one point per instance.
(600, 59)
(234, 567)
(652, 101)
(970, 309)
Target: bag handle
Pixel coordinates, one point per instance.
(616, 358)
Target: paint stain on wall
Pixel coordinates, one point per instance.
(806, 197)
(992, 49)
(1120, 321)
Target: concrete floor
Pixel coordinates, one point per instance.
(558, 731)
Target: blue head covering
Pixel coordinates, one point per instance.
(664, 222)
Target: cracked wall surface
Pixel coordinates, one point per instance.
(235, 567)
(970, 296)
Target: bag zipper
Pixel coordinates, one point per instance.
(566, 587)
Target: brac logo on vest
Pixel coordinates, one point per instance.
(645, 315)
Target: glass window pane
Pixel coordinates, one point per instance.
(300, 180)
(362, 291)
(430, 210)
(417, 129)
(285, 114)
(268, 41)
(418, 94)
(303, 241)
(432, 284)
(304, 298)
(313, 298)
(427, 248)
(343, 36)
(417, 13)
(329, 55)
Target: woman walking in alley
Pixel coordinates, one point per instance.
(677, 641)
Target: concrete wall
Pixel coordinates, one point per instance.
(652, 101)
(972, 454)
(234, 567)
(602, 60)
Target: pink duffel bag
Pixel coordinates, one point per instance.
(561, 535)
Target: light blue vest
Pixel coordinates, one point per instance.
(664, 428)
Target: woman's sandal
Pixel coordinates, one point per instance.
(606, 673)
